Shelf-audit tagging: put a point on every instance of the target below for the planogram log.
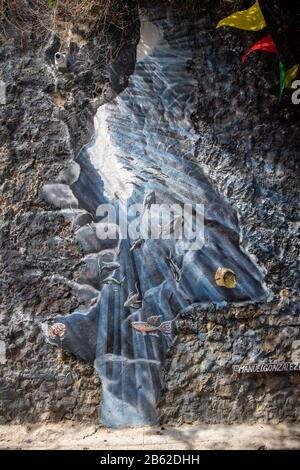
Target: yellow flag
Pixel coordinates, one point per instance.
(250, 20)
(291, 74)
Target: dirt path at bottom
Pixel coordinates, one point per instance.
(76, 436)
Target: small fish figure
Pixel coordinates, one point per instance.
(112, 266)
(112, 280)
(58, 329)
(176, 271)
(149, 199)
(153, 326)
(133, 299)
(138, 244)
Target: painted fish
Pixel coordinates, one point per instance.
(112, 280)
(153, 326)
(133, 298)
(176, 271)
(138, 244)
(58, 329)
(119, 248)
(141, 178)
(161, 180)
(225, 277)
(172, 227)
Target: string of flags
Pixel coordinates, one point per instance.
(252, 19)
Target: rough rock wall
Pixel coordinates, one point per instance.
(249, 147)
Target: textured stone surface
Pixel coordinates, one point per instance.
(87, 437)
(47, 119)
(249, 147)
(59, 196)
(161, 90)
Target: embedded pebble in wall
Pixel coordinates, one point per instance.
(59, 195)
(60, 60)
(153, 326)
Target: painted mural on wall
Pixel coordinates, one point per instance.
(143, 153)
(282, 21)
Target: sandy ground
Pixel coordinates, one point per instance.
(74, 436)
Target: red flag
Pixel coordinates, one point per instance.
(264, 44)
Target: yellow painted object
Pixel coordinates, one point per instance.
(291, 74)
(225, 277)
(249, 20)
